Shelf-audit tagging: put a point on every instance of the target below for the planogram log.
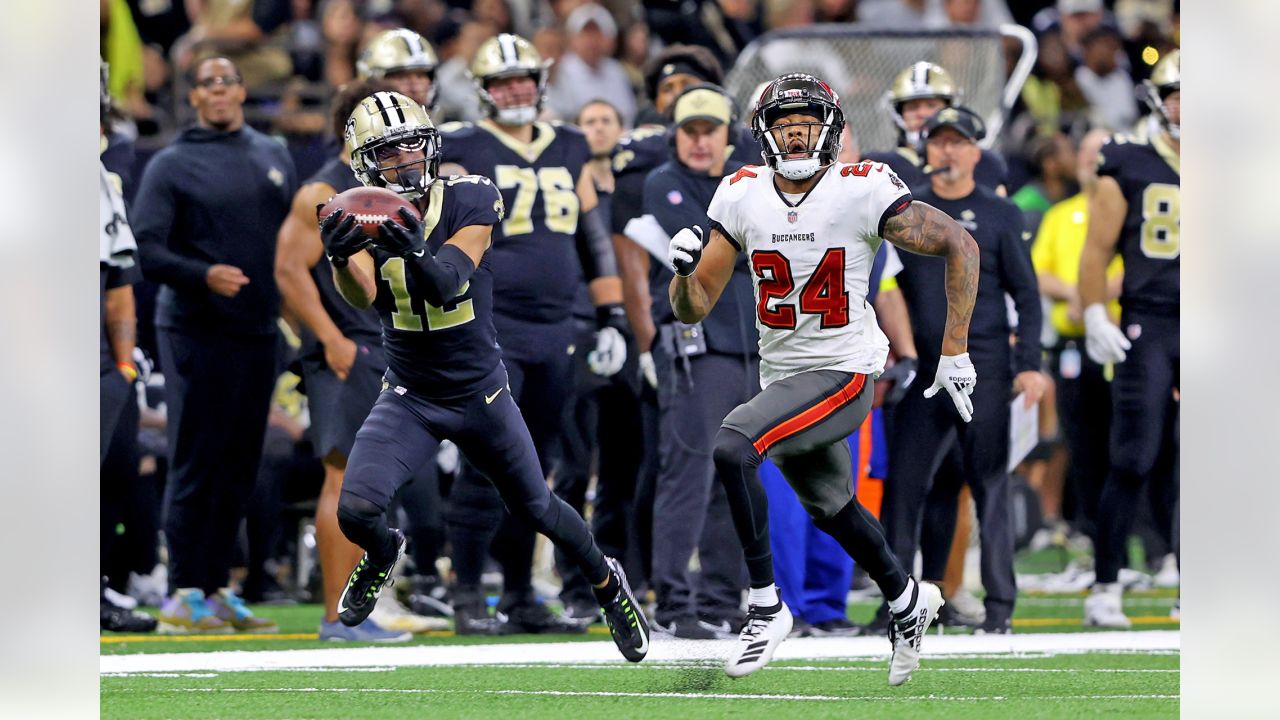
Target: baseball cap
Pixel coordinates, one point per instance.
(591, 13)
(961, 119)
(1070, 7)
(702, 103)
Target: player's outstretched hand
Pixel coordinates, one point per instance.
(402, 238)
(1104, 342)
(957, 376)
(685, 250)
(342, 237)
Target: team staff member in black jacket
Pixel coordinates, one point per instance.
(206, 218)
(704, 371)
(922, 432)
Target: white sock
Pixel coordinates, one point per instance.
(763, 597)
(903, 601)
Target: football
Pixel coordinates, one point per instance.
(372, 206)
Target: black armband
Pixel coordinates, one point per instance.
(595, 246)
(440, 277)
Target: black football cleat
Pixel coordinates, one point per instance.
(627, 623)
(527, 615)
(366, 584)
(471, 615)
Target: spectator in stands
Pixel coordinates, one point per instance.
(206, 218)
(494, 13)
(458, 99)
(1053, 160)
(969, 14)
(342, 30)
(1106, 86)
(238, 30)
(588, 70)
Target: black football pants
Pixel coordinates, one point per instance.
(218, 390)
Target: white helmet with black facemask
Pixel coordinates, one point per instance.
(798, 94)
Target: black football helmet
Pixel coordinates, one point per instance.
(803, 94)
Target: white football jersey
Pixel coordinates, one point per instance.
(811, 259)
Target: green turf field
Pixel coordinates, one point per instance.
(1061, 686)
(579, 677)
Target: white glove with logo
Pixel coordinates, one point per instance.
(610, 353)
(1104, 342)
(648, 370)
(957, 376)
(685, 251)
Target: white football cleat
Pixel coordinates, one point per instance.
(1103, 609)
(390, 614)
(907, 629)
(762, 632)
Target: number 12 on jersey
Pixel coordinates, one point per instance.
(823, 295)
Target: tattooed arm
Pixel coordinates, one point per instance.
(925, 230)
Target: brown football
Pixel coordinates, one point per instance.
(372, 206)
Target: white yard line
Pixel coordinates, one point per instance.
(661, 650)
(675, 695)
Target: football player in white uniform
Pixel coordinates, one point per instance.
(811, 226)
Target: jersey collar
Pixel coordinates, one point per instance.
(1170, 155)
(435, 206)
(543, 136)
(825, 172)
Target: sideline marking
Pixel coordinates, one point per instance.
(676, 695)
(662, 649)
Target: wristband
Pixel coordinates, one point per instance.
(129, 369)
(338, 262)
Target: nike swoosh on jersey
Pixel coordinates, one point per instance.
(488, 399)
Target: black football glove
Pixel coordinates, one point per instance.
(342, 237)
(402, 239)
(902, 374)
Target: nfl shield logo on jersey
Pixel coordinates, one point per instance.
(793, 216)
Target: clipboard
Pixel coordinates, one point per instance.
(1024, 429)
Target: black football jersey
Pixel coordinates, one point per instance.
(534, 254)
(1148, 174)
(442, 352)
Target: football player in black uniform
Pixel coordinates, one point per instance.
(341, 361)
(553, 222)
(430, 281)
(1134, 209)
(917, 93)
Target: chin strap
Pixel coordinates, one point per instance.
(516, 116)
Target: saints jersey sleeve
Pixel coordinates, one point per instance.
(887, 196)
(476, 202)
(1111, 159)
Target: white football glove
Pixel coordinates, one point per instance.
(648, 370)
(610, 353)
(1104, 342)
(685, 251)
(957, 376)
